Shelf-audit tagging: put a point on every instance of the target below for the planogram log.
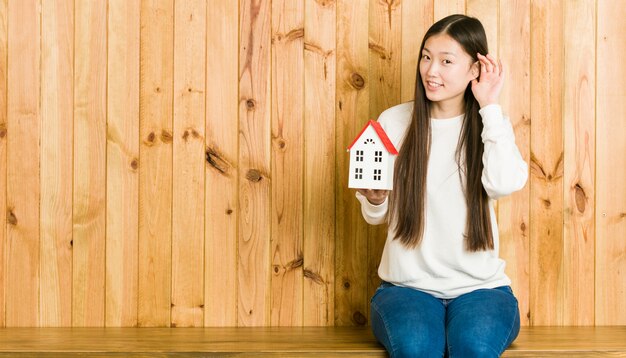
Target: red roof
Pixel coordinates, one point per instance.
(381, 134)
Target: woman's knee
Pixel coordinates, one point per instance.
(470, 349)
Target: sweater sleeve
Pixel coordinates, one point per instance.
(504, 169)
(373, 214)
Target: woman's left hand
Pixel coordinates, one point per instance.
(487, 86)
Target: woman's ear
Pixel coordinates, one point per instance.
(475, 69)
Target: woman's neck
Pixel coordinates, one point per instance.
(446, 109)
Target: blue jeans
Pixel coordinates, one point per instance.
(412, 323)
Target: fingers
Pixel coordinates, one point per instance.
(489, 64)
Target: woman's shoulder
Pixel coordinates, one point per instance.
(395, 121)
(400, 114)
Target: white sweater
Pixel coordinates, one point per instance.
(440, 265)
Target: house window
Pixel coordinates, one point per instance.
(359, 155)
(377, 174)
(378, 156)
(369, 141)
(358, 173)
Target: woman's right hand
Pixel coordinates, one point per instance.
(374, 196)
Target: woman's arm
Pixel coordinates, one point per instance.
(504, 171)
(374, 205)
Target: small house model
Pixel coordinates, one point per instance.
(372, 156)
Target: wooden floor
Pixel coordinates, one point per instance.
(281, 342)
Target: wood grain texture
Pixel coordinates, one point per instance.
(546, 164)
(286, 293)
(122, 167)
(513, 211)
(3, 153)
(579, 89)
(90, 98)
(254, 162)
(352, 111)
(57, 114)
(320, 64)
(444, 8)
(610, 166)
(188, 189)
(281, 341)
(385, 58)
(155, 172)
(23, 184)
(417, 17)
(221, 209)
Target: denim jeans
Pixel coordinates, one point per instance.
(412, 323)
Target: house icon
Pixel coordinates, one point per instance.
(372, 156)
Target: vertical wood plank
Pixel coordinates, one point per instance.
(122, 197)
(57, 107)
(286, 164)
(320, 57)
(417, 16)
(444, 8)
(90, 86)
(579, 83)
(3, 154)
(220, 278)
(610, 165)
(188, 192)
(23, 183)
(546, 166)
(351, 279)
(513, 219)
(155, 171)
(385, 57)
(254, 162)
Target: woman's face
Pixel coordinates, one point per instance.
(446, 69)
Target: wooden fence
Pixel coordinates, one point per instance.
(183, 162)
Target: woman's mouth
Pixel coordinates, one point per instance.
(433, 85)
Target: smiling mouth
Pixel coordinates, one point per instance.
(434, 84)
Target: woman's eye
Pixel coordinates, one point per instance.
(447, 62)
(425, 57)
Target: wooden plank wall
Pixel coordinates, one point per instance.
(183, 163)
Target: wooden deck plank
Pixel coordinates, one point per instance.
(281, 341)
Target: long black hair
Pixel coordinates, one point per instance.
(407, 200)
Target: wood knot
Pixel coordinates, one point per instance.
(359, 318)
(313, 276)
(357, 81)
(72, 243)
(166, 136)
(3, 131)
(150, 139)
(250, 104)
(282, 144)
(581, 198)
(157, 90)
(346, 285)
(134, 164)
(276, 269)
(229, 211)
(216, 160)
(11, 218)
(547, 203)
(522, 227)
(254, 175)
(189, 90)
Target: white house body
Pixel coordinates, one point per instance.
(372, 157)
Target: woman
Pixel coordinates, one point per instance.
(444, 290)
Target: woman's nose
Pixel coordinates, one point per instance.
(431, 69)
